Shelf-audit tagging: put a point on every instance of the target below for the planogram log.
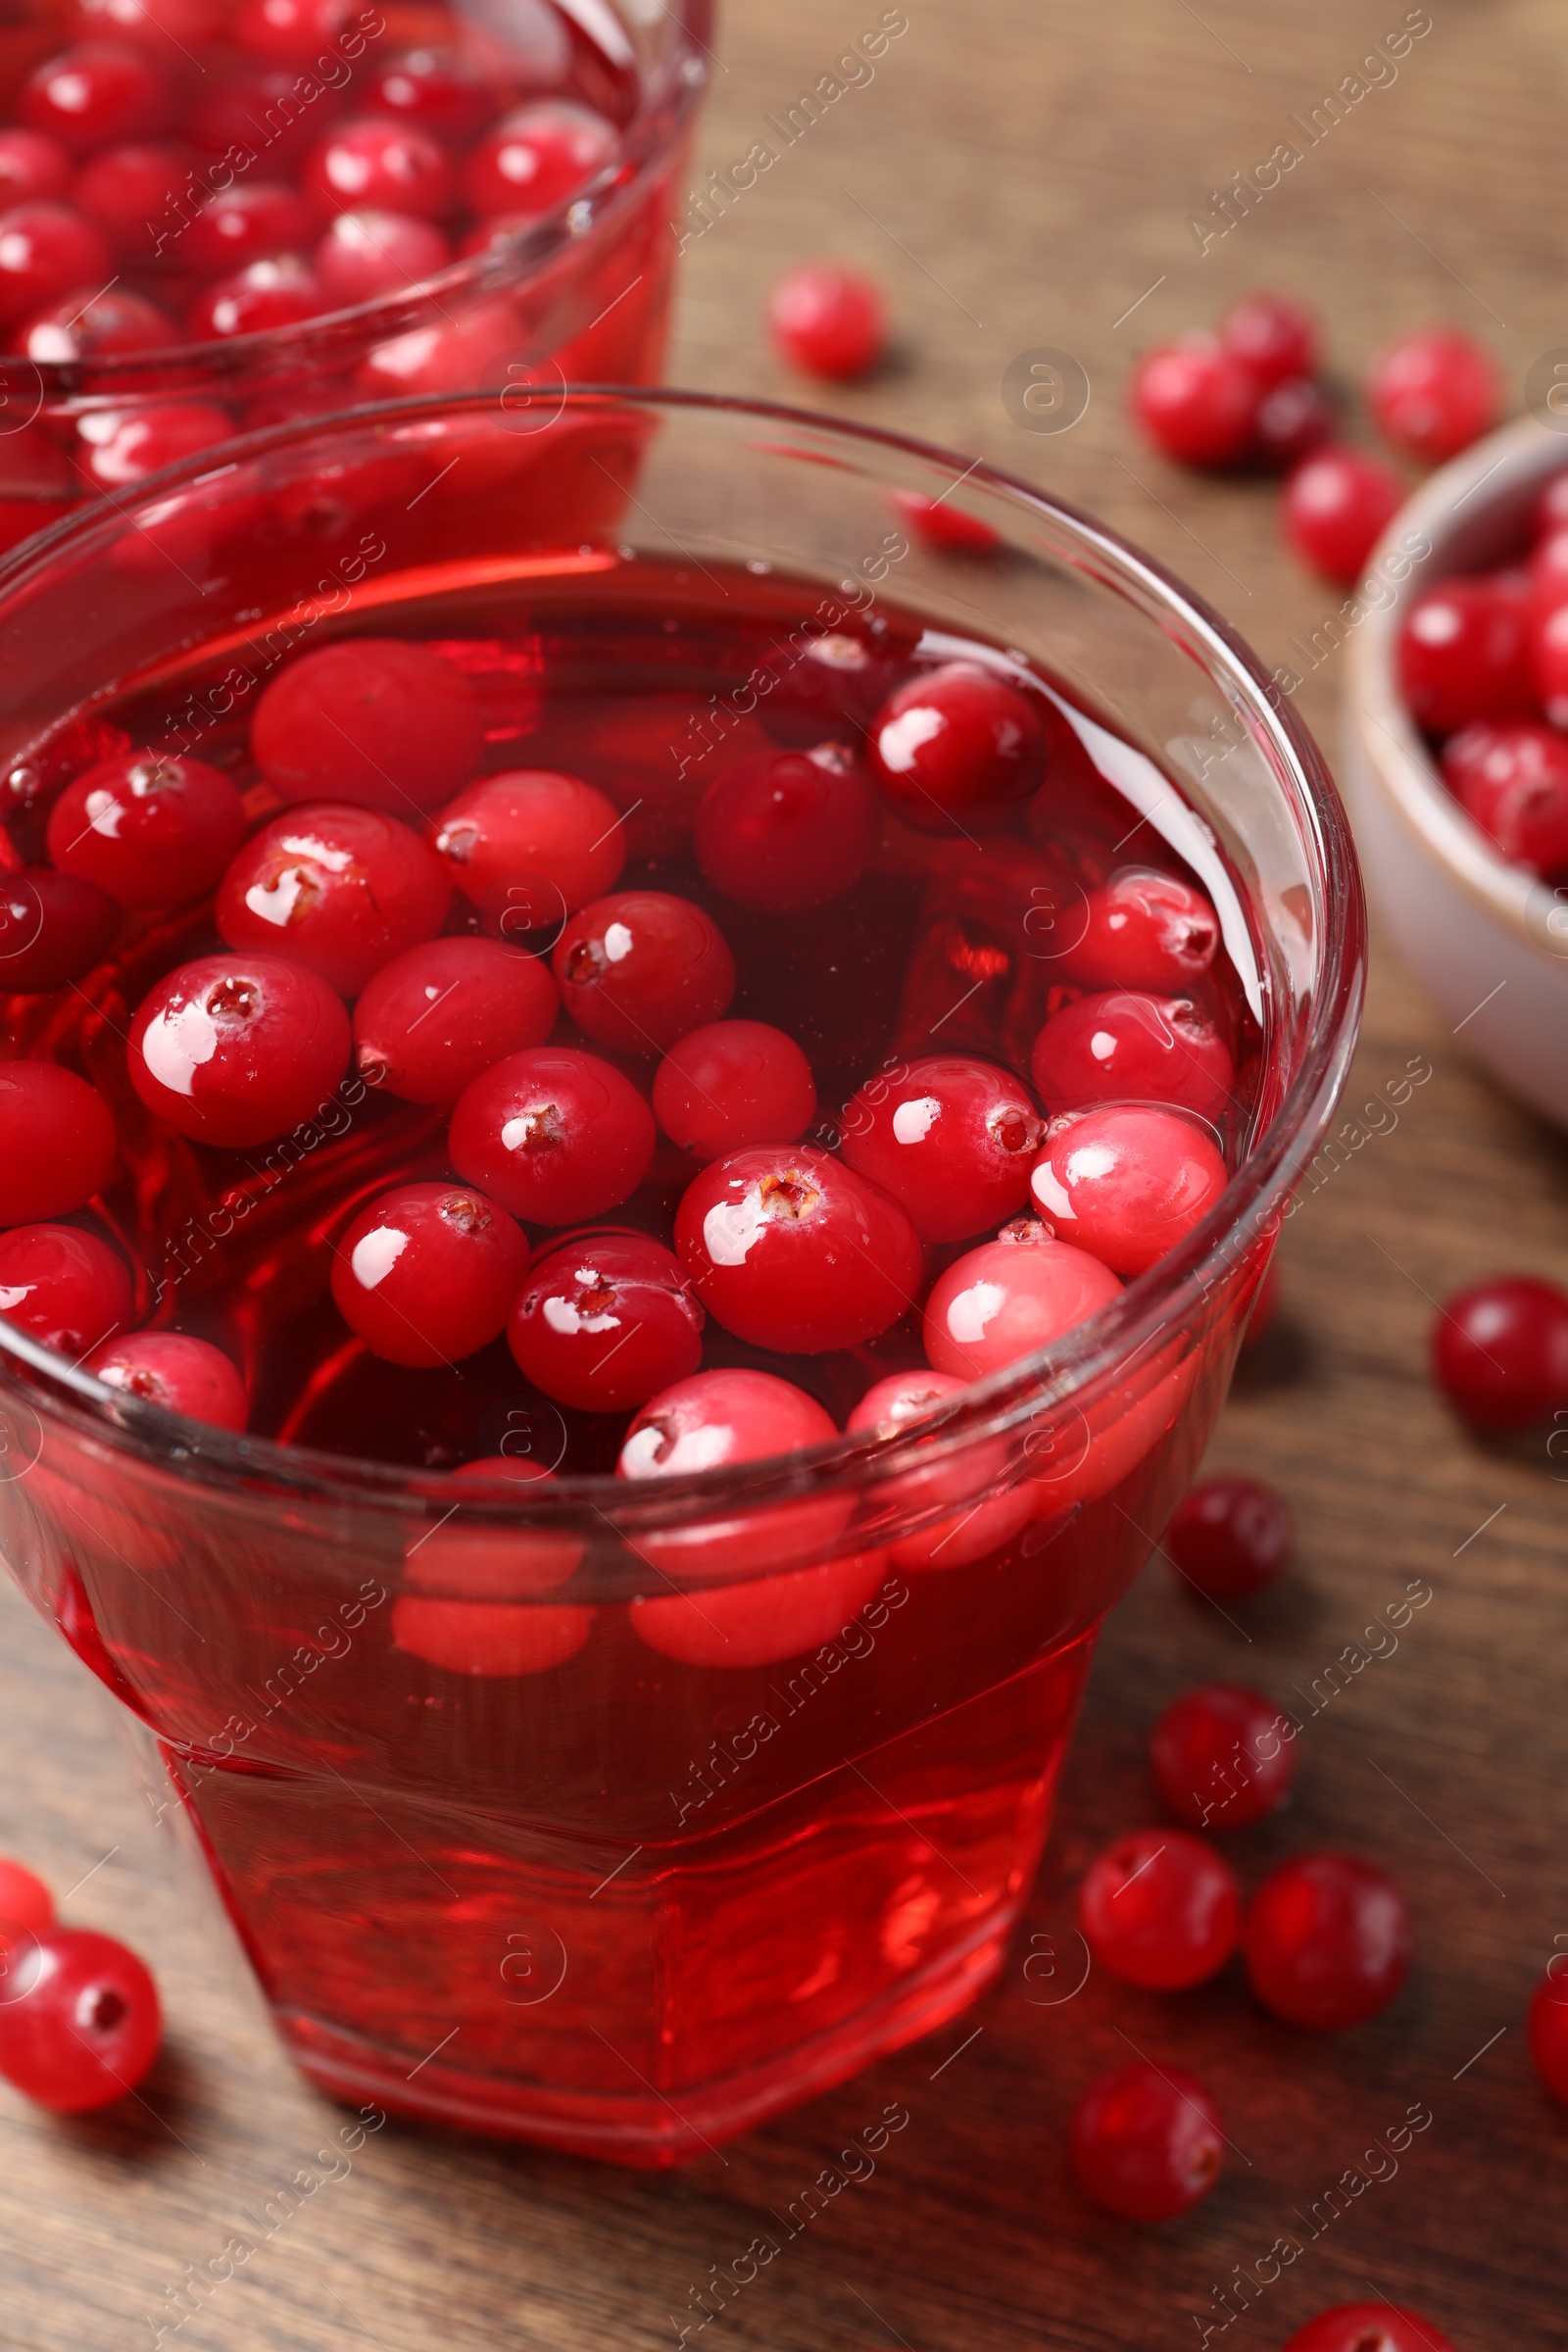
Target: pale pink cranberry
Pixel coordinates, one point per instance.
(425, 1273)
(251, 221)
(153, 831)
(1512, 779)
(950, 1138)
(828, 320)
(366, 255)
(32, 165)
(554, 1135)
(1010, 1298)
(237, 1049)
(1143, 929)
(533, 160)
(605, 1322)
(125, 445)
(731, 1084)
(641, 968)
(56, 1142)
(1127, 1047)
(90, 96)
(1465, 652)
(279, 291)
(179, 1374)
(1432, 393)
(379, 720)
(437, 1017)
(382, 166)
(45, 251)
(957, 747)
(977, 1523)
(87, 325)
(66, 1288)
(1127, 1183)
(784, 830)
(529, 846)
(1195, 401)
(1335, 507)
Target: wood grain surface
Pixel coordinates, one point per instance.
(1024, 177)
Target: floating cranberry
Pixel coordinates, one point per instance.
(438, 89)
(1127, 1183)
(731, 1084)
(102, 328)
(488, 1637)
(155, 22)
(1147, 2143)
(1432, 393)
(787, 829)
(1464, 651)
(1230, 1538)
(641, 968)
(533, 160)
(66, 1288)
(1273, 337)
(237, 1049)
(139, 195)
(276, 292)
(892, 1408)
(951, 529)
(56, 1142)
(1327, 1941)
(1511, 778)
(46, 251)
(1548, 2028)
(1552, 506)
(289, 31)
(82, 2025)
(957, 747)
(1161, 1909)
(153, 831)
(53, 928)
(605, 1322)
(1011, 1297)
(953, 1138)
(366, 255)
(1380, 2327)
(554, 1135)
(1143, 929)
(1335, 507)
(1195, 401)
(828, 320)
(529, 846)
(1293, 419)
(89, 96)
(232, 109)
(125, 445)
(469, 1609)
(179, 1374)
(341, 889)
(1500, 1351)
(789, 1248)
(1548, 647)
(435, 1018)
(32, 166)
(251, 221)
(25, 1902)
(386, 166)
(1548, 573)
(830, 686)
(379, 720)
(1129, 1047)
(425, 1273)
(765, 1619)
(1222, 1757)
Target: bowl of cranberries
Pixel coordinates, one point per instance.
(216, 214)
(633, 1159)
(1456, 755)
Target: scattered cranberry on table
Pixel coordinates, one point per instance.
(25, 1902)
(1500, 1351)
(1327, 1941)
(1548, 2032)
(1161, 1909)
(85, 2024)
(1380, 2327)
(1195, 401)
(1432, 393)
(1147, 2143)
(1222, 1757)
(828, 320)
(1230, 1538)
(1336, 507)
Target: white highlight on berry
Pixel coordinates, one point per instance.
(177, 1043)
(374, 1256)
(971, 1310)
(914, 1121)
(903, 738)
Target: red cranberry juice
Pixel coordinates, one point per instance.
(508, 1852)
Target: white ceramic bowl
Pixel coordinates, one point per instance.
(1490, 940)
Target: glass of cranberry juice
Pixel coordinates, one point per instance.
(611, 1729)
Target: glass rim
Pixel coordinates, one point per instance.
(1251, 1207)
(664, 115)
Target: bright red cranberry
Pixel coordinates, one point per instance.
(1195, 401)
(1380, 2327)
(945, 527)
(606, 1321)
(386, 166)
(952, 1138)
(251, 221)
(1500, 1351)
(32, 166)
(1143, 929)
(46, 251)
(56, 1142)
(1549, 2025)
(1464, 652)
(237, 1049)
(1010, 1298)
(100, 327)
(1147, 2143)
(893, 1408)
(1327, 1941)
(790, 1250)
(256, 102)
(529, 846)
(1552, 506)
(181, 1375)
(787, 829)
(1222, 1757)
(533, 160)
(828, 320)
(366, 255)
(380, 720)
(151, 830)
(139, 196)
(342, 889)
(1230, 1538)
(432, 1020)
(425, 1274)
(1161, 1909)
(289, 33)
(1548, 573)
(639, 970)
(1336, 507)
(1128, 1048)
(84, 2025)
(53, 928)
(125, 445)
(1127, 1183)
(554, 1135)
(68, 1288)
(1272, 336)
(89, 97)
(1512, 779)
(1292, 420)
(731, 1084)
(957, 747)
(265, 295)
(1432, 393)
(1548, 647)
(438, 89)
(155, 22)
(25, 1902)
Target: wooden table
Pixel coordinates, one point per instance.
(1021, 176)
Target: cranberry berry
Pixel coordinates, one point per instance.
(279, 291)
(828, 320)
(340, 889)
(66, 1288)
(153, 831)
(554, 1135)
(957, 747)
(379, 720)
(366, 255)
(533, 160)
(1335, 507)
(784, 830)
(1143, 929)
(1222, 1757)
(1293, 419)
(32, 165)
(1147, 2143)
(731, 1084)
(139, 196)
(1549, 2030)
(468, 1608)
(529, 846)
(1195, 401)
(114, 322)
(789, 1248)
(84, 2025)
(1127, 1183)
(1273, 337)
(1230, 1538)
(46, 251)
(252, 221)
(1500, 1352)
(54, 927)
(1327, 1941)
(425, 1273)
(1511, 778)
(289, 31)
(91, 96)
(1431, 394)
(1130, 1048)
(639, 968)
(1380, 2327)
(387, 165)
(432, 1020)
(237, 1049)
(1464, 652)
(1161, 1909)
(1011, 1297)
(56, 1142)
(438, 89)
(893, 1408)
(25, 1902)
(179, 1374)
(125, 445)
(953, 1138)
(607, 1321)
